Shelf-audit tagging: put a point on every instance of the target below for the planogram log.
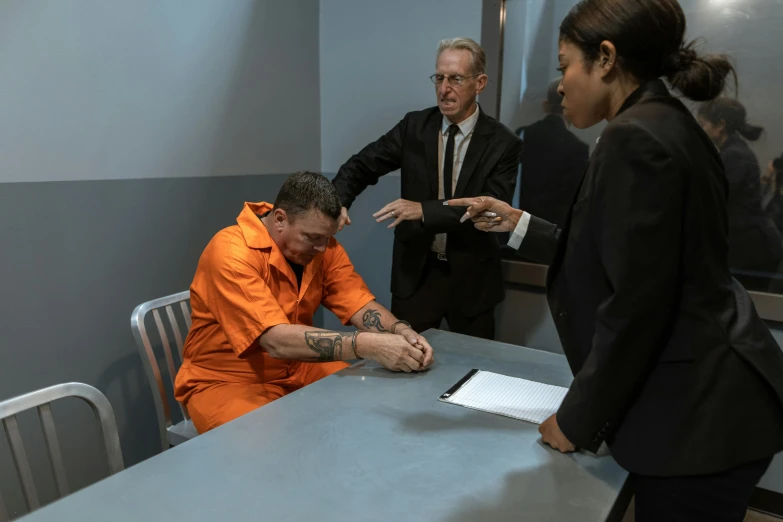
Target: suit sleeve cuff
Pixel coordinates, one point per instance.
(519, 233)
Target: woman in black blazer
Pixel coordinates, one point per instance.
(672, 366)
(754, 242)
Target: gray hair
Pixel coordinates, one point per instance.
(478, 58)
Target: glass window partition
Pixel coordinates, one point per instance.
(555, 153)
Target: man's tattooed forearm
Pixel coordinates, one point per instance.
(328, 345)
(372, 319)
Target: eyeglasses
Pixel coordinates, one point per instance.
(437, 79)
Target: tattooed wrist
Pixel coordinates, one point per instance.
(372, 319)
(328, 345)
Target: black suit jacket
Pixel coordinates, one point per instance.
(490, 168)
(744, 176)
(553, 162)
(774, 210)
(672, 365)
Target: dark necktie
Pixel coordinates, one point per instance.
(448, 163)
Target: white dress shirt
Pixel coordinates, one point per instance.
(518, 235)
(461, 143)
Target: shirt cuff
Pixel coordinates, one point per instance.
(518, 235)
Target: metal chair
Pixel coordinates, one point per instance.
(41, 399)
(171, 433)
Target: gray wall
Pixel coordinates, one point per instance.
(376, 59)
(145, 89)
(524, 319)
(125, 127)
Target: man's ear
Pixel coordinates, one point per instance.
(280, 218)
(481, 83)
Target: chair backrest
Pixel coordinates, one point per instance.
(170, 303)
(41, 399)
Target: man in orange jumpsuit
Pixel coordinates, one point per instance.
(256, 288)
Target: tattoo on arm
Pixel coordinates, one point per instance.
(372, 319)
(328, 345)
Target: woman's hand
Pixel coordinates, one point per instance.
(551, 434)
(488, 214)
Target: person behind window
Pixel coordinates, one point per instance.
(754, 242)
(772, 192)
(772, 202)
(553, 161)
(673, 367)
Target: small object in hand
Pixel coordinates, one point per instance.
(489, 214)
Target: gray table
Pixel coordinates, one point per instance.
(370, 445)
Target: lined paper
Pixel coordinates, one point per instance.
(509, 396)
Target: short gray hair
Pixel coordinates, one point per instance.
(478, 58)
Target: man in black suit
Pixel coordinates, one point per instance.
(442, 268)
(553, 162)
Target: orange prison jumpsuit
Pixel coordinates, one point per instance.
(243, 286)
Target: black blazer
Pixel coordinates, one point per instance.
(490, 168)
(744, 176)
(553, 162)
(774, 210)
(672, 365)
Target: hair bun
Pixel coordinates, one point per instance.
(681, 60)
(698, 77)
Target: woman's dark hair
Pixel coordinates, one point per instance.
(733, 114)
(649, 36)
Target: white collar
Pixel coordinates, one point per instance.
(467, 125)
